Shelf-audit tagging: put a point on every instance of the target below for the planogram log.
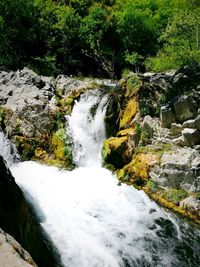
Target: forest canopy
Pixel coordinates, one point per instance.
(100, 38)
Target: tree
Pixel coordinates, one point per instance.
(180, 42)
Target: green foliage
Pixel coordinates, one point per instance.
(102, 37)
(181, 42)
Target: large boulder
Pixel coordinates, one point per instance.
(24, 98)
(178, 168)
(167, 116)
(117, 151)
(185, 108)
(192, 136)
(17, 219)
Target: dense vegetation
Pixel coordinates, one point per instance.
(101, 38)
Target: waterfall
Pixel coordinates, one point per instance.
(93, 221)
(87, 128)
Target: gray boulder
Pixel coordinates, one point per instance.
(178, 168)
(192, 136)
(185, 109)
(26, 95)
(167, 117)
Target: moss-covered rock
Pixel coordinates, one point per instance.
(116, 151)
(126, 132)
(128, 113)
(137, 171)
(133, 84)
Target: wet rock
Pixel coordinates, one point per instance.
(192, 136)
(12, 254)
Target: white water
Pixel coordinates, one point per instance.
(93, 221)
(87, 128)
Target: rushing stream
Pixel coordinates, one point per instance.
(92, 220)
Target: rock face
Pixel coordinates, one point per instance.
(26, 96)
(12, 254)
(177, 169)
(166, 159)
(17, 220)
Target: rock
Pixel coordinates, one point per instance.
(67, 85)
(179, 158)
(197, 122)
(137, 171)
(112, 116)
(185, 109)
(26, 95)
(12, 254)
(176, 129)
(167, 117)
(117, 151)
(176, 170)
(17, 219)
(189, 124)
(192, 136)
(180, 141)
(128, 113)
(191, 203)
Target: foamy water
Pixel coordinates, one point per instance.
(92, 220)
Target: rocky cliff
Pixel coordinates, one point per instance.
(157, 141)
(17, 220)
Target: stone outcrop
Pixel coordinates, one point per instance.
(17, 219)
(12, 254)
(165, 161)
(33, 110)
(25, 96)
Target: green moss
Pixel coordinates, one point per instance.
(129, 113)
(116, 151)
(152, 185)
(158, 149)
(126, 132)
(61, 146)
(133, 84)
(175, 195)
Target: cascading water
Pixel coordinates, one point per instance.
(93, 221)
(87, 128)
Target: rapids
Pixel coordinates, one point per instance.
(92, 220)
